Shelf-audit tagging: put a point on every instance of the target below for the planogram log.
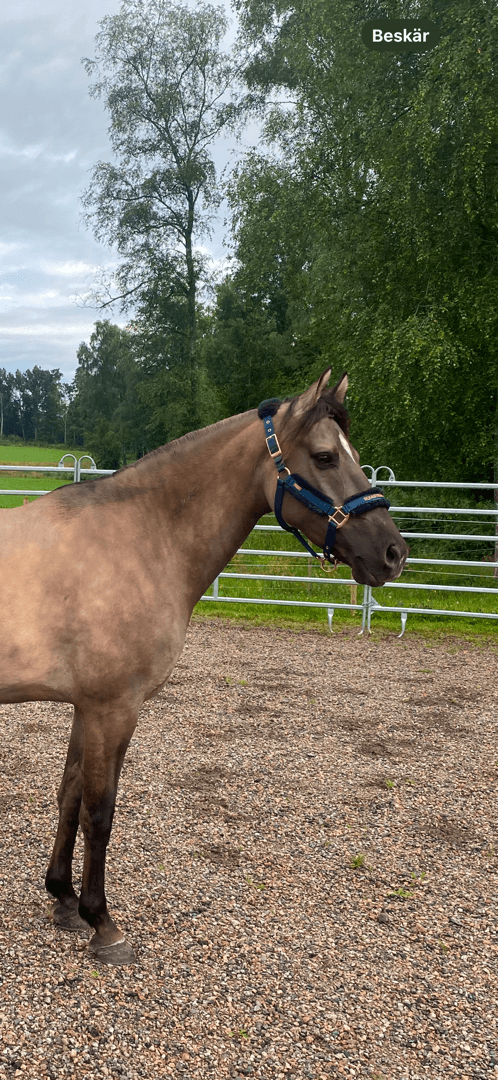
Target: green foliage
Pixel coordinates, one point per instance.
(176, 394)
(248, 352)
(165, 82)
(380, 219)
(105, 445)
(105, 405)
(33, 405)
(365, 234)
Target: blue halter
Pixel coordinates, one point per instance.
(310, 496)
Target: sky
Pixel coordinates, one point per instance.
(51, 135)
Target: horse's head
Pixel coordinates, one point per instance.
(313, 433)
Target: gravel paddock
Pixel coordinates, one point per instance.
(303, 856)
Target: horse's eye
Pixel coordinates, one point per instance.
(325, 460)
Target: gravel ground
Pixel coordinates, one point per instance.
(271, 764)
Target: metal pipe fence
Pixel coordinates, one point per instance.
(59, 469)
(369, 603)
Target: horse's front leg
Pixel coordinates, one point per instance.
(108, 731)
(59, 874)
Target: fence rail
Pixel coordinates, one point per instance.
(369, 603)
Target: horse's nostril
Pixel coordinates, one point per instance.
(392, 554)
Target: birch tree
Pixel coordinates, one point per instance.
(166, 84)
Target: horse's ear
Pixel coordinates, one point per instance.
(340, 390)
(310, 397)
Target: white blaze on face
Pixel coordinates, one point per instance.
(345, 444)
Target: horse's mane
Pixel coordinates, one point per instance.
(105, 488)
(327, 405)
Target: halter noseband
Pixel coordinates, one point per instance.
(310, 496)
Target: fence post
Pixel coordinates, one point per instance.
(495, 571)
(75, 464)
(77, 474)
(365, 607)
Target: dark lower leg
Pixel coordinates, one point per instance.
(96, 815)
(108, 943)
(58, 880)
(96, 824)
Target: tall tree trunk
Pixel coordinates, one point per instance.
(191, 313)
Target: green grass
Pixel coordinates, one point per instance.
(33, 455)
(322, 589)
(36, 455)
(31, 483)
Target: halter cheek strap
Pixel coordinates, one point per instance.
(310, 496)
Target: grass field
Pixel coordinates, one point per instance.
(33, 455)
(323, 588)
(36, 455)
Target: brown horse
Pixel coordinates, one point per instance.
(99, 581)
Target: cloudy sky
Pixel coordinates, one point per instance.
(51, 135)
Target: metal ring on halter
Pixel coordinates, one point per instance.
(328, 569)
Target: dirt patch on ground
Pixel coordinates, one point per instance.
(303, 856)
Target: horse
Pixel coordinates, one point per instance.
(98, 582)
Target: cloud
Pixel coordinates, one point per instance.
(34, 151)
(28, 152)
(51, 329)
(70, 269)
(52, 134)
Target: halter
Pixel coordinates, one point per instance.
(310, 496)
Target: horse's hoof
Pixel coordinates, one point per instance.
(68, 918)
(119, 953)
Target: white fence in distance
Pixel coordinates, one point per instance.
(369, 603)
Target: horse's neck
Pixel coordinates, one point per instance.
(211, 493)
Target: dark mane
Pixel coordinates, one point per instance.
(174, 447)
(327, 405)
(124, 484)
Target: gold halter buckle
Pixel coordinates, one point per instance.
(332, 517)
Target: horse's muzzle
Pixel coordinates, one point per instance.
(376, 572)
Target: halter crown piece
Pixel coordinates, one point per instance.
(310, 496)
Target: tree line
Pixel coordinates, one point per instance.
(34, 406)
(363, 229)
